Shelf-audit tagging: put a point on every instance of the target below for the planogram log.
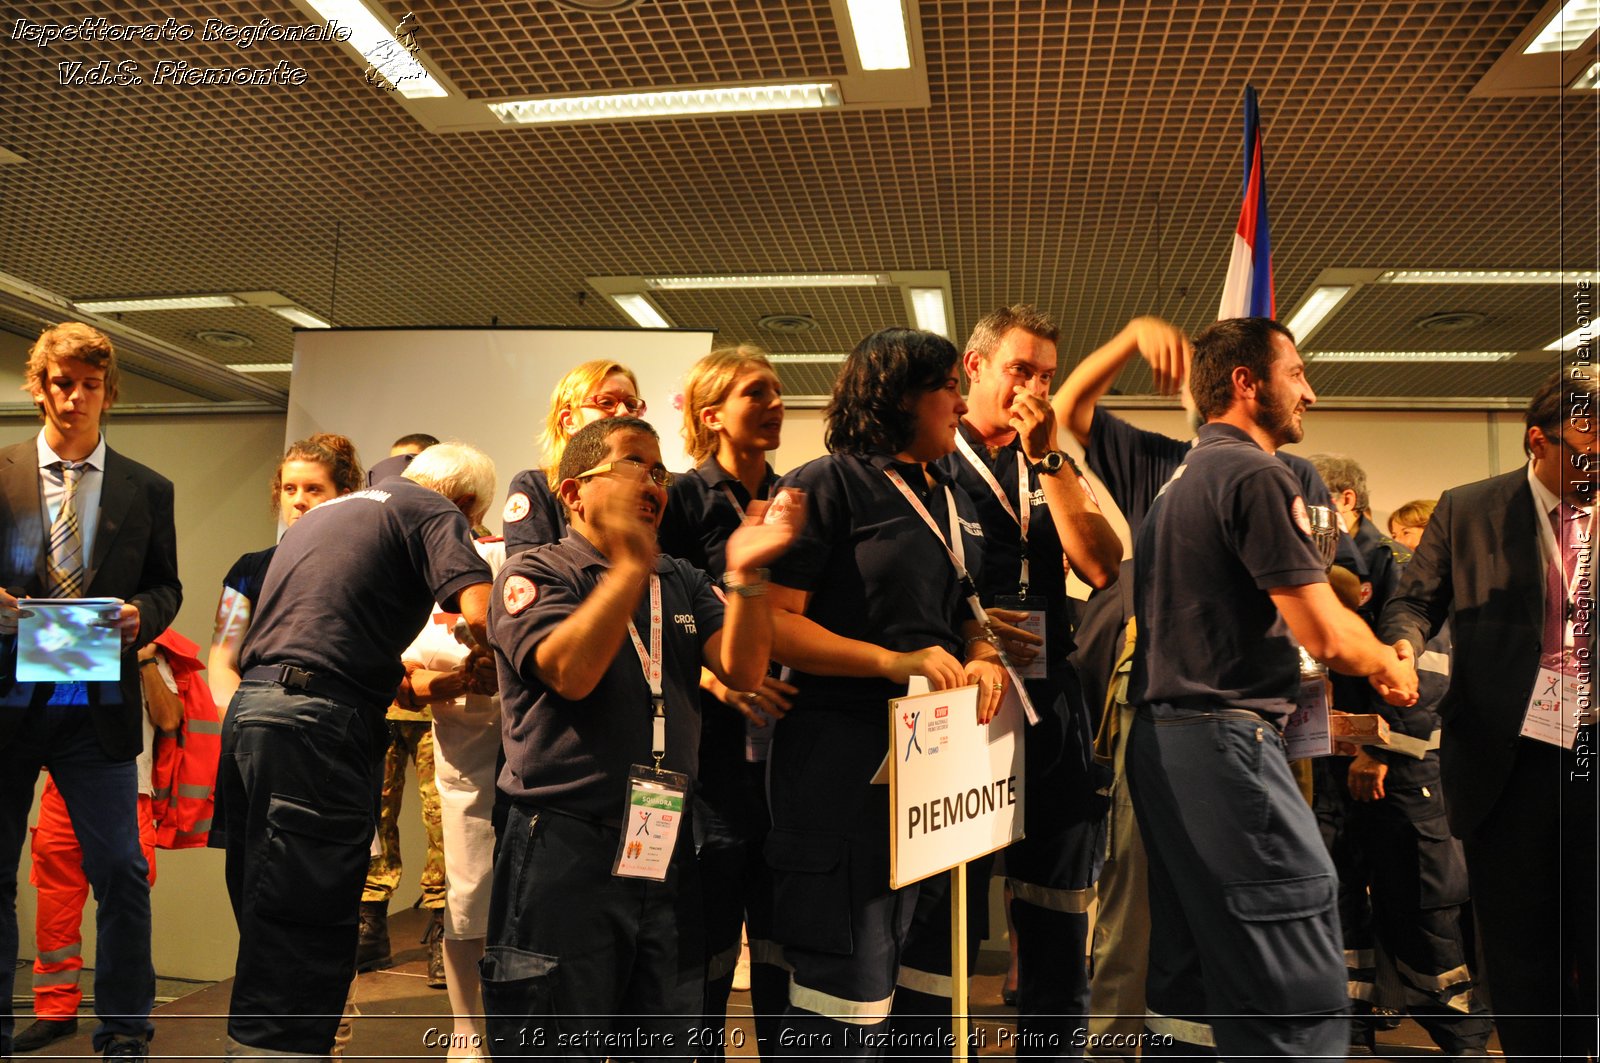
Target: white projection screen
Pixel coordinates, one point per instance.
(486, 386)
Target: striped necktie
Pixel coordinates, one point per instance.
(66, 538)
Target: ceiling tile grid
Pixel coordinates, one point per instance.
(1081, 155)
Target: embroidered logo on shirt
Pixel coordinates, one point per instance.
(971, 527)
(517, 507)
(1302, 519)
(518, 593)
(686, 621)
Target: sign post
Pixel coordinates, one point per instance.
(955, 794)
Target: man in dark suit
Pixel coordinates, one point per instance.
(79, 520)
(1509, 561)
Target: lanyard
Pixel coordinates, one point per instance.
(957, 552)
(650, 661)
(1021, 514)
(1556, 555)
(952, 546)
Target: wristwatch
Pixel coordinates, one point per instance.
(1052, 463)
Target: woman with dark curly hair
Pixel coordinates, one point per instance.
(866, 598)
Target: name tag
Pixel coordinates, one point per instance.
(650, 822)
(1560, 703)
(1033, 624)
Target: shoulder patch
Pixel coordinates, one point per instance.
(518, 593)
(1088, 492)
(1302, 519)
(517, 507)
(1366, 591)
(721, 596)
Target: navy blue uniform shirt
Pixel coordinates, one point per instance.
(533, 515)
(1002, 536)
(574, 756)
(874, 570)
(1133, 464)
(1224, 530)
(699, 518)
(249, 574)
(355, 579)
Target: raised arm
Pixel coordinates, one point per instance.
(1164, 346)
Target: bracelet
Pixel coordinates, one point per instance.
(747, 590)
(147, 661)
(986, 637)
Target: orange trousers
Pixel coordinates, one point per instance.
(63, 889)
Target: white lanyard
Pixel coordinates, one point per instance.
(953, 546)
(1556, 555)
(1021, 514)
(650, 661)
(957, 552)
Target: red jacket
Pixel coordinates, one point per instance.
(183, 774)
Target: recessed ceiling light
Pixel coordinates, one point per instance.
(378, 46)
(670, 103)
(1570, 27)
(1450, 320)
(767, 280)
(879, 27)
(927, 306)
(1583, 334)
(640, 309)
(1412, 356)
(786, 324)
(1322, 302)
(1484, 276)
(303, 318)
(217, 337)
(264, 367)
(156, 302)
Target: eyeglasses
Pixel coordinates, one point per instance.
(609, 404)
(657, 473)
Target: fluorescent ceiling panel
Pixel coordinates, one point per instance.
(1484, 276)
(1412, 356)
(158, 302)
(1323, 302)
(264, 367)
(1589, 79)
(378, 46)
(1570, 27)
(1579, 335)
(879, 27)
(767, 280)
(927, 305)
(303, 318)
(670, 103)
(640, 309)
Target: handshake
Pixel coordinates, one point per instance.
(1395, 679)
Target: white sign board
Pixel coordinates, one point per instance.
(955, 786)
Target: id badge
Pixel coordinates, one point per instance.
(650, 822)
(1306, 733)
(1557, 707)
(1033, 605)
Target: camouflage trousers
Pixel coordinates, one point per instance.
(411, 740)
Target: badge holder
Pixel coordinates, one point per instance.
(1033, 624)
(654, 813)
(1559, 705)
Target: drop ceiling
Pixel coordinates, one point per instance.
(1082, 156)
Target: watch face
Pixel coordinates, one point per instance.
(1053, 461)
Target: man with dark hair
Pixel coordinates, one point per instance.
(350, 585)
(78, 520)
(599, 641)
(1039, 518)
(1510, 562)
(1244, 928)
(413, 443)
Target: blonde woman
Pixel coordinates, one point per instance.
(732, 419)
(589, 392)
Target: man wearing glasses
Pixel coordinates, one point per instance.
(599, 641)
(1510, 561)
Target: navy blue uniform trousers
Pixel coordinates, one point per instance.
(298, 787)
(1244, 924)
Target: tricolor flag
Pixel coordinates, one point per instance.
(1248, 291)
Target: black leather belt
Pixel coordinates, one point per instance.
(323, 686)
